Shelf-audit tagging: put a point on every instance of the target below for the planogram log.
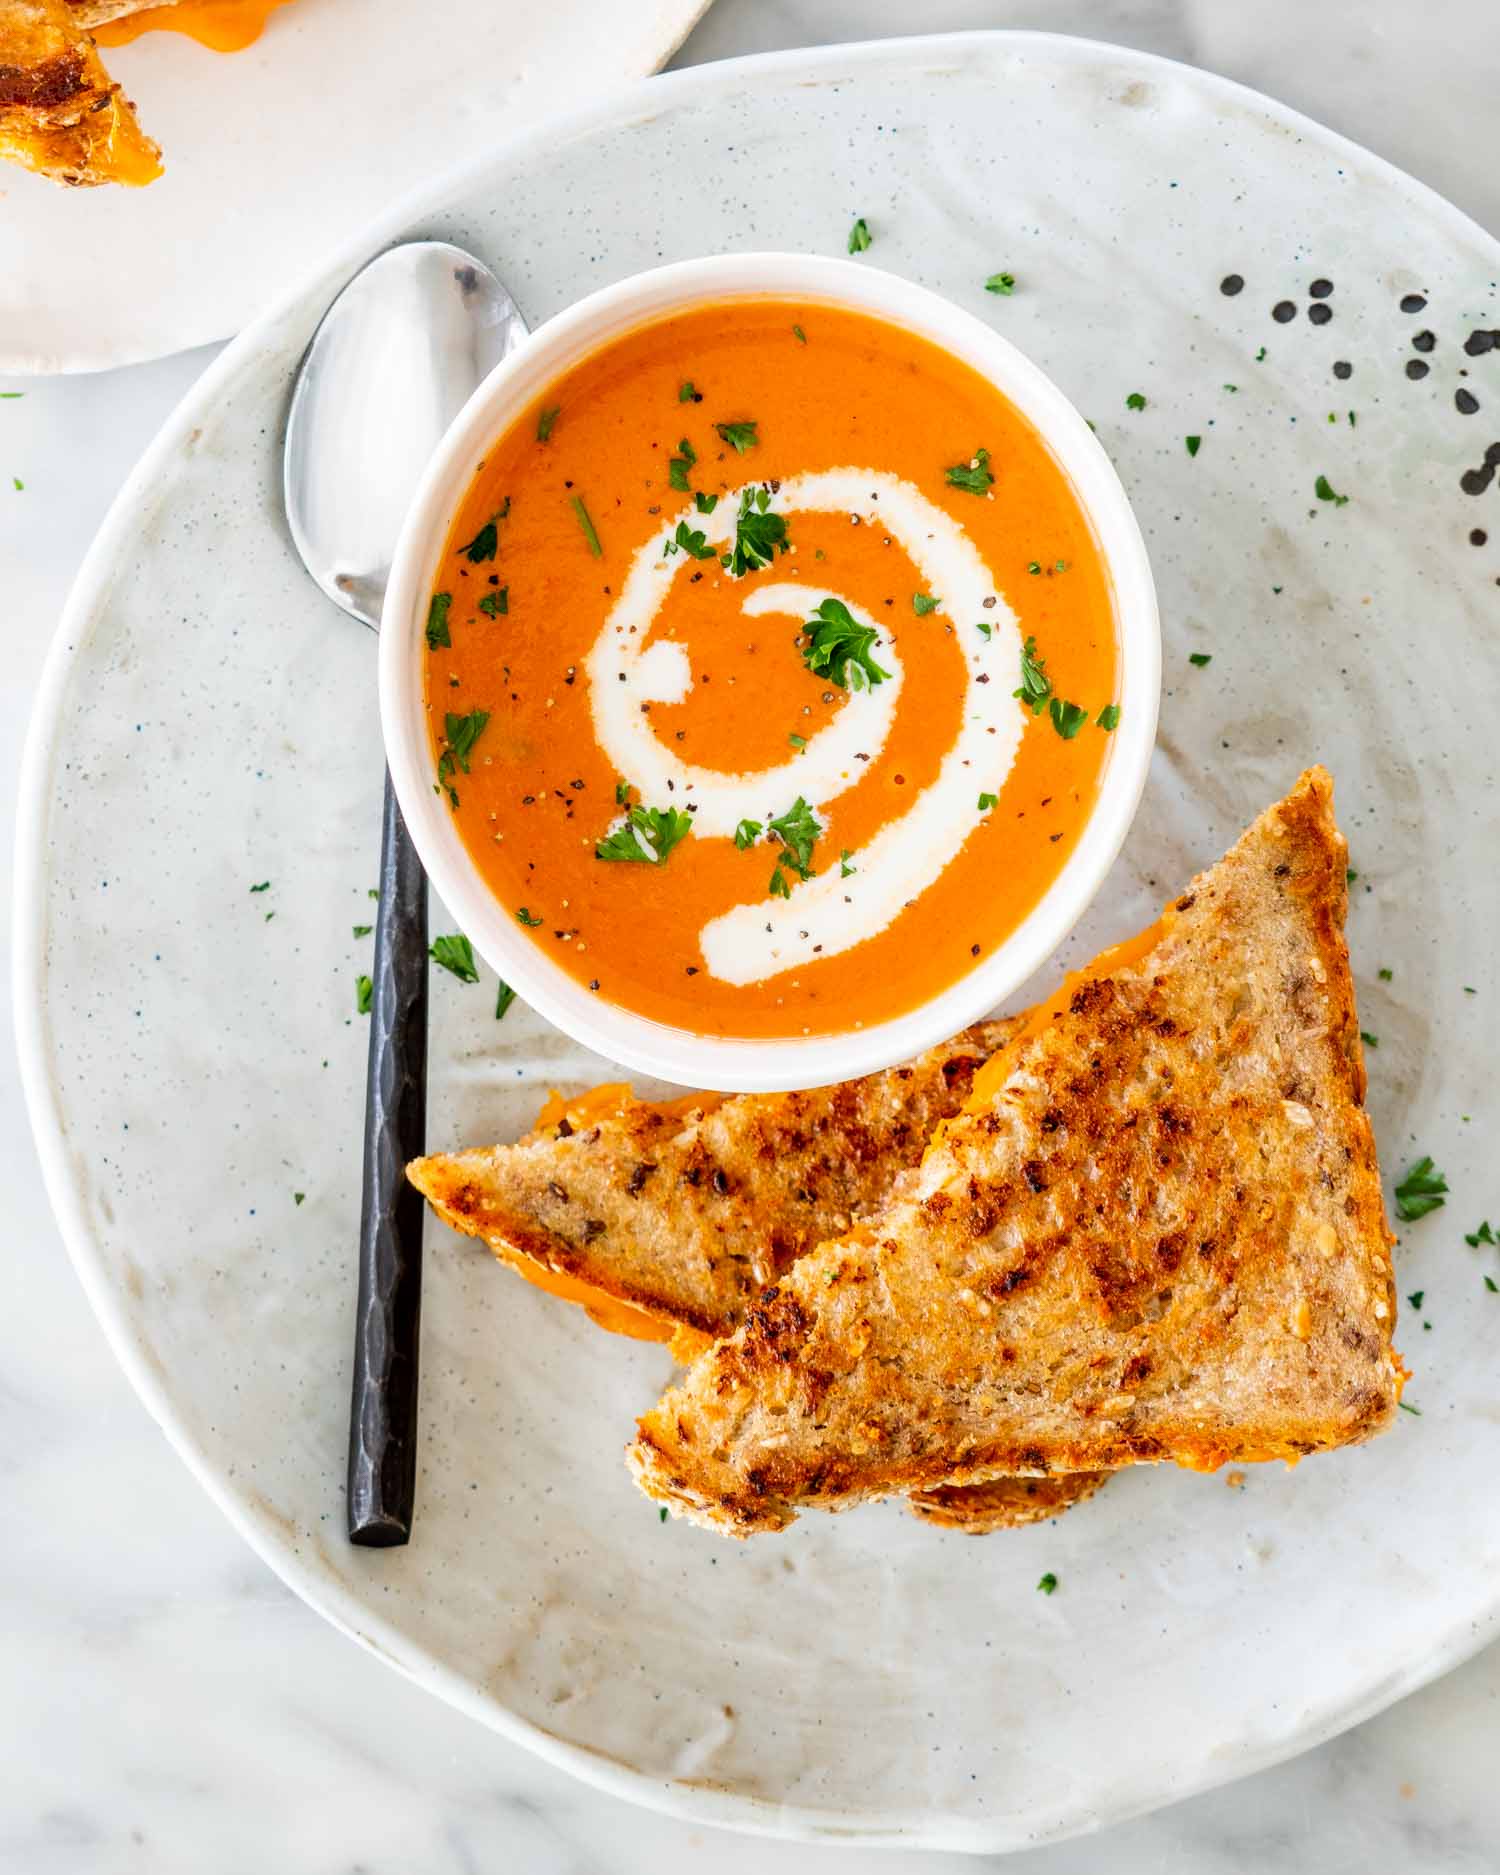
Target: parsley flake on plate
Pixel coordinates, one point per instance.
(1048, 1584)
(1200, 658)
(362, 930)
(364, 992)
(973, 475)
(437, 620)
(264, 886)
(1002, 283)
(496, 604)
(504, 997)
(740, 437)
(1474, 1238)
(1135, 401)
(860, 236)
(838, 647)
(456, 954)
(1194, 444)
(1324, 491)
(661, 828)
(1423, 1189)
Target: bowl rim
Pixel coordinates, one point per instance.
(640, 1043)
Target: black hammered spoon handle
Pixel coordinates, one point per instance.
(383, 1415)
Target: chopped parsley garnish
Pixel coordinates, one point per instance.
(362, 930)
(1406, 1407)
(799, 335)
(364, 992)
(1260, 355)
(1194, 444)
(1109, 716)
(798, 742)
(523, 916)
(779, 887)
(797, 830)
(1383, 974)
(662, 1514)
(1369, 1040)
(705, 504)
(923, 602)
(496, 604)
(692, 541)
(846, 871)
(1474, 1238)
(1422, 1190)
(1036, 685)
(1033, 567)
(1135, 401)
(1002, 283)
(1067, 718)
(687, 392)
(622, 793)
(1048, 1583)
(1324, 491)
(588, 527)
(504, 997)
(1200, 658)
(987, 801)
(462, 732)
(758, 535)
(455, 953)
(298, 1197)
(983, 629)
(1492, 1285)
(973, 475)
(740, 437)
(264, 886)
(1415, 1298)
(838, 647)
(662, 828)
(747, 833)
(859, 236)
(437, 620)
(677, 468)
(487, 541)
(545, 422)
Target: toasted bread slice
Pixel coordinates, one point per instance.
(686, 1210)
(799, 1168)
(60, 112)
(1155, 1233)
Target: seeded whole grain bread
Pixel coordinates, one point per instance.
(60, 112)
(700, 1210)
(1160, 1237)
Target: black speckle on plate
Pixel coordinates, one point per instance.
(1477, 537)
(1283, 312)
(1465, 402)
(1320, 289)
(1415, 368)
(1343, 369)
(1319, 314)
(1479, 342)
(1424, 341)
(1492, 456)
(1412, 302)
(1231, 284)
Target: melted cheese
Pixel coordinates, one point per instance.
(620, 1318)
(221, 25)
(133, 158)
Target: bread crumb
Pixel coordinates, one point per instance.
(1235, 1480)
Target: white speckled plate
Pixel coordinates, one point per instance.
(193, 1062)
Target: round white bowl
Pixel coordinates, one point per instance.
(511, 389)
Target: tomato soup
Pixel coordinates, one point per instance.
(771, 670)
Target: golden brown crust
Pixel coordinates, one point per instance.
(689, 1218)
(60, 113)
(1004, 1503)
(1161, 1239)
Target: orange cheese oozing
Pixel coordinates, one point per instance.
(221, 25)
(537, 791)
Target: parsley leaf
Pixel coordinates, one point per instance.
(923, 602)
(486, 542)
(1048, 1583)
(1194, 444)
(437, 620)
(677, 468)
(705, 504)
(747, 833)
(1036, 685)
(1109, 716)
(838, 647)
(1067, 718)
(1384, 974)
(662, 828)
(1002, 283)
(523, 916)
(799, 335)
(1422, 1190)
(622, 794)
(455, 953)
(758, 535)
(545, 422)
(1200, 658)
(588, 527)
(1369, 1040)
(1324, 491)
(779, 887)
(797, 742)
(987, 801)
(687, 392)
(846, 871)
(859, 236)
(364, 993)
(362, 930)
(264, 886)
(1474, 1238)
(983, 629)
(462, 732)
(1135, 401)
(496, 604)
(973, 475)
(692, 541)
(798, 831)
(504, 997)
(741, 437)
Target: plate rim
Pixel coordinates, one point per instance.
(697, 1801)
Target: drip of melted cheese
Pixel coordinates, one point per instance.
(221, 25)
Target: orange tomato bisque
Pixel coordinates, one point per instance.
(771, 668)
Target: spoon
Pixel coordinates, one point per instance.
(388, 369)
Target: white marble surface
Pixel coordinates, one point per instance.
(165, 1704)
